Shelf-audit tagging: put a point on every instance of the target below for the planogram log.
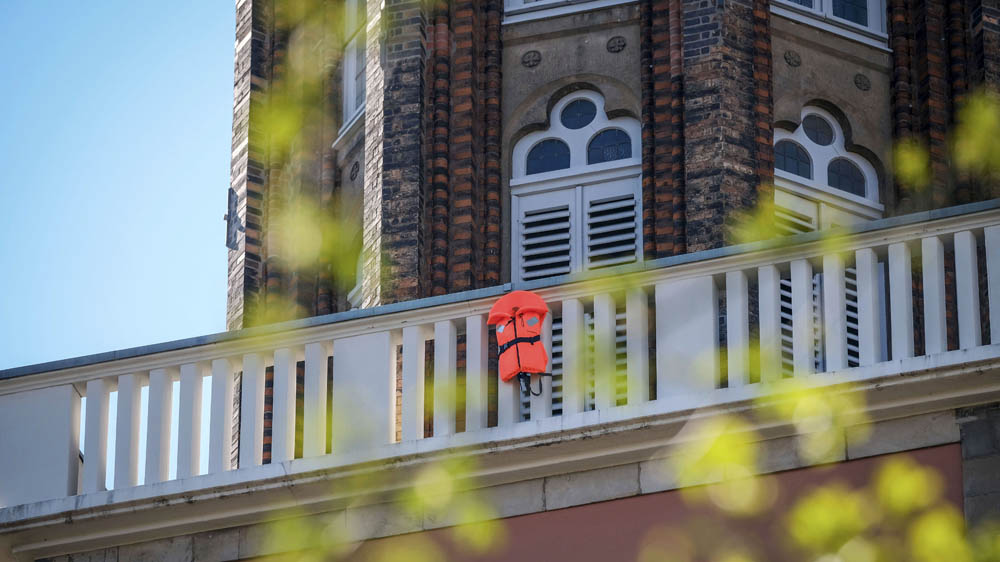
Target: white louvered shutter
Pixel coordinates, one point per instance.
(612, 228)
(545, 235)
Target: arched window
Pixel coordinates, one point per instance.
(818, 180)
(613, 144)
(575, 191)
(547, 156)
(793, 159)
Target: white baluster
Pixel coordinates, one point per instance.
(769, 313)
(314, 438)
(95, 440)
(605, 372)
(445, 365)
(476, 372)
(991, 235)
(127, 432)
(637, 345)
(834, 312)
(283, 406)
(901, 300)
(252, 411)
(737, 329)
(541, 405)
(869, 307)
(189, 421)
(574, 357)
(161, 391)
(364, 391)
(935, 329)
(802, 317)
(414, 339)
(220, 429)
(967, 284)
(687, 336)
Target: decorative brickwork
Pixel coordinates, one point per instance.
(727, 116)
(403, 271)
(248, 172)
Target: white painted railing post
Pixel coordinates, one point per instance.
(802, 317)
(637, 345)
(161, 391)
(445, 387)
(574, 357)
(476, 372)
(687, 336)
(314, 438)
(95, 440)
(935, 328)
(283, 406)
(834, 312)
(967, 293)
(127, 432)
(869, 307)
(605, 372)
(252, 411)
(364, 391)
(220, 428)
(189, 421)
(541, 405)
(412, 410)
(769, 313)
(991, 234)
(737, 329)
(901, 300)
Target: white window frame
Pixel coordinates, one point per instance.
(520, 10)
(355, 33)
(578, 177)
(818, 189)
(874, 34)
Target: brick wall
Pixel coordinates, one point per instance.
(707, 119)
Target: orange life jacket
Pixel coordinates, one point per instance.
(518, 317)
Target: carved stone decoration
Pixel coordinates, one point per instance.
(862, 82)
(531, 59)
(616, 44)
(354, 171)
(793, 59)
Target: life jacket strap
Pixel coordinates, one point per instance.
(516, 341)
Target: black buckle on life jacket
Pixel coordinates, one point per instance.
(515, 341)
(525, 379)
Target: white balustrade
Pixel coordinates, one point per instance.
(737, 329)
(869, 307)
(637, 345)
(967, 290)
(901, 300)
(364, 356)
(283, 406)
(687, 336)
(935, 316)
(95, 439)
(412, 409)
(127, 432)
(161, 391)
(445, 386)
(314, 414)
(476, 372)
(220, 429)
(189, 419)
(991, 234)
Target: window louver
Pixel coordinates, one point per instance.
(546, 243)
(611, 232)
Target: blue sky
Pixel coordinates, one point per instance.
(115, 121)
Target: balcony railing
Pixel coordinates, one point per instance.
(833, 306)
